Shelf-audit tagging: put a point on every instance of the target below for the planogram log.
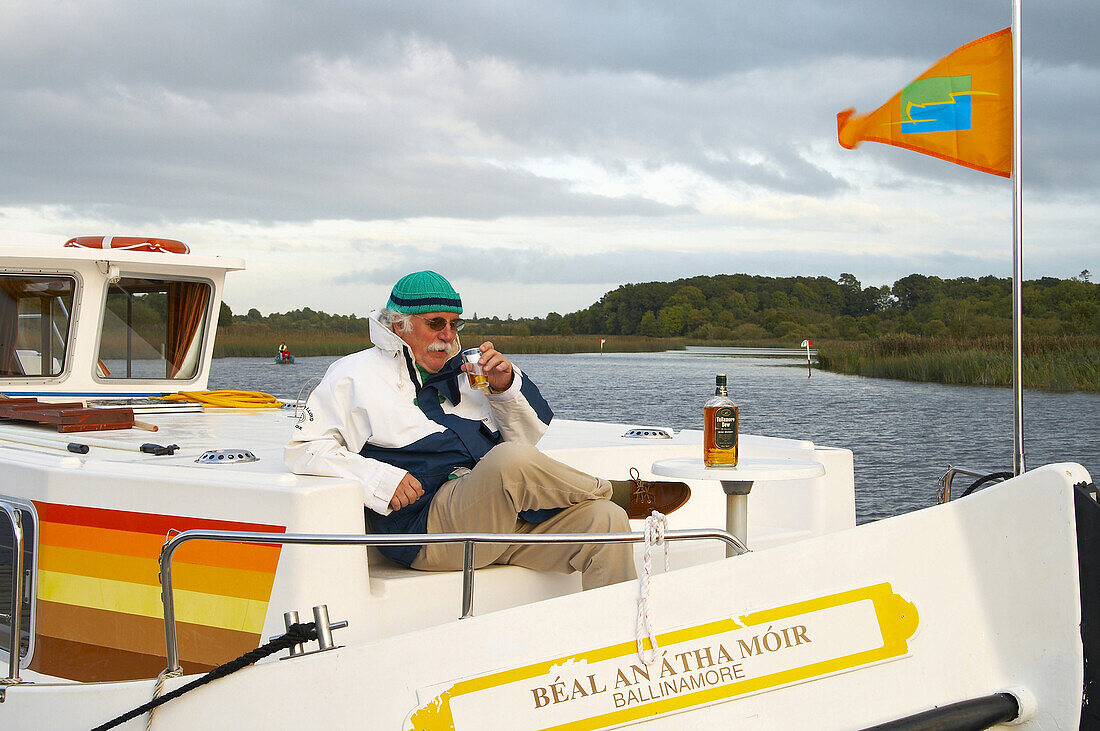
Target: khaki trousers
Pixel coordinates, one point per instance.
(515, 477)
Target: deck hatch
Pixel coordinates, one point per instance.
(648, 433)
(227, 456)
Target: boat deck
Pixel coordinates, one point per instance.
(115, 476)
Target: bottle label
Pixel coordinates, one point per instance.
(725, 427)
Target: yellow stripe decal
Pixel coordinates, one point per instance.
(246, 615)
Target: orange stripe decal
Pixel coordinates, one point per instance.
(250, 556)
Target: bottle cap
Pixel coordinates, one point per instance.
(720, 379)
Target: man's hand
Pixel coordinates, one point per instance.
(408, 492)
(496, 367)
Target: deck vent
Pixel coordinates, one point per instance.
(227, 456)
(648, 433)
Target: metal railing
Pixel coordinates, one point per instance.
(300, 402)
(468, 539)
(14, 515)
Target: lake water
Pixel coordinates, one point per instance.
(904, 435)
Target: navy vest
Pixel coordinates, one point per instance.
(432, 459)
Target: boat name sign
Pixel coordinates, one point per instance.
(698, 665)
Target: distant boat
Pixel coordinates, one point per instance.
(284, 358)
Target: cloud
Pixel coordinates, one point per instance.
(278, 112)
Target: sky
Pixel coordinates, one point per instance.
(538, 154)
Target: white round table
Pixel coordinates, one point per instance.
(737, 481)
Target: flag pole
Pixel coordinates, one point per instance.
(1018, 463)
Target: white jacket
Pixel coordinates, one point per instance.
(365, 403)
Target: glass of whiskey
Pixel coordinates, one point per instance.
(474, 372)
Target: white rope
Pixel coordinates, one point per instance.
(158, 689)
(655, 526)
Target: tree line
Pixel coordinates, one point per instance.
(743, 307)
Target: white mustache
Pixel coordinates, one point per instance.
(450, 348)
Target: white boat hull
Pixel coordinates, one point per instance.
(941, 605)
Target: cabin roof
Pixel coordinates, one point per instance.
(53, 257)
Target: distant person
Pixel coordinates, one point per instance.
(284, 352)
(435, 455)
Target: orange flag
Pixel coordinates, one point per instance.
(960, 110)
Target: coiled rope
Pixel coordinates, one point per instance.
(987, 478)
(228, 399)
(655, 526)
(158, 689)
(295, 635)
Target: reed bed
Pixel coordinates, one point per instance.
(248, 341)
(1055, 363)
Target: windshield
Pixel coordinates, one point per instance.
(35, 314)
(152, 329)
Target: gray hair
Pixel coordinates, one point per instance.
(401, 322)
(394, 320)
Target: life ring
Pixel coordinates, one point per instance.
(130, 243)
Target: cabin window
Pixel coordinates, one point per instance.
(29, 522)
(152, 329)
(35, 315)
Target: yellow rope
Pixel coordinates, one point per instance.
(228, 399)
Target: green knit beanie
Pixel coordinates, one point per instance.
(424, 291)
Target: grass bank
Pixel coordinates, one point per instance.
(255, 341)
(1055, 363)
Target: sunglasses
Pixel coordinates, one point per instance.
(438, 323)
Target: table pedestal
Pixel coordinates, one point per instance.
(737, 510)
(737, 482)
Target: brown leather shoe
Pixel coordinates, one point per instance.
(649, 495)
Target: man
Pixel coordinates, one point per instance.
(436, 456)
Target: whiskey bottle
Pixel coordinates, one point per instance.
(720, 427)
